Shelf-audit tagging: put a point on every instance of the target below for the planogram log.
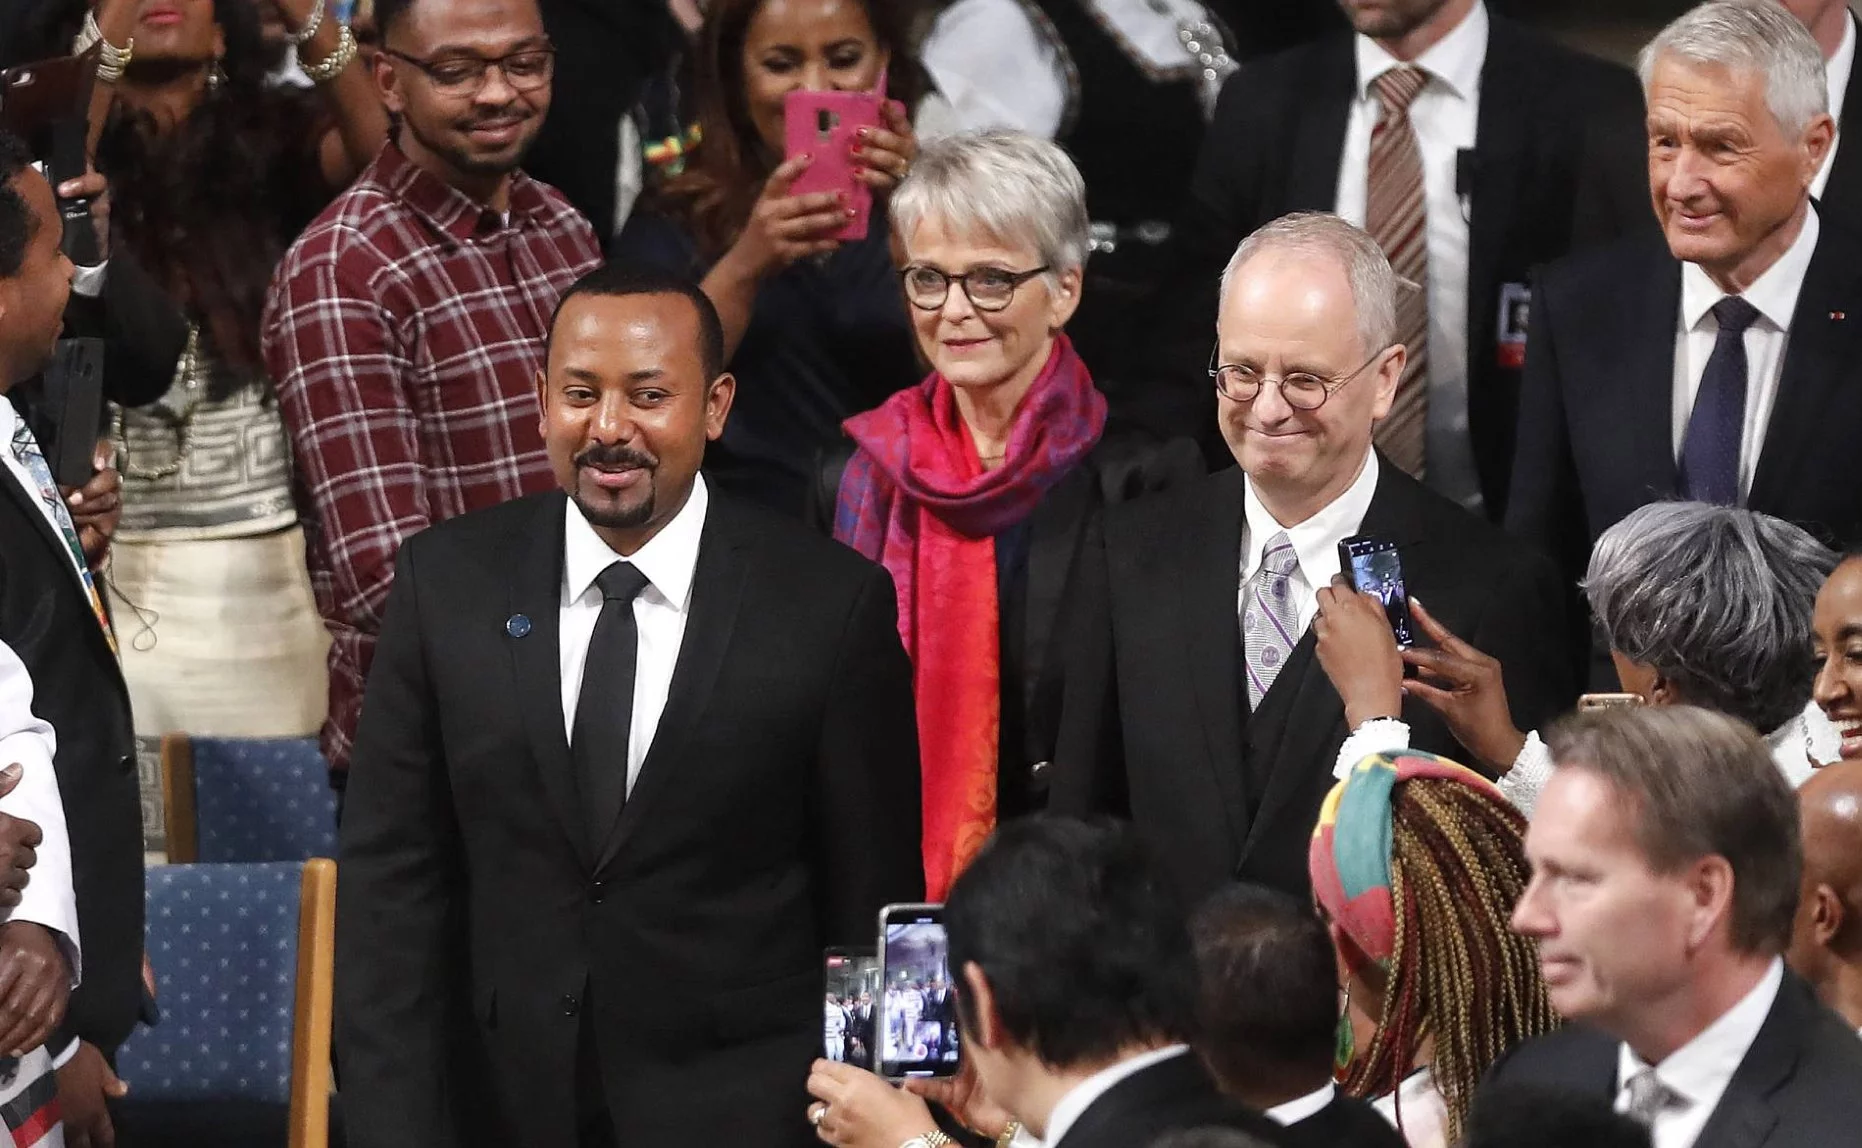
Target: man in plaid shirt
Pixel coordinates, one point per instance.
(405, 328)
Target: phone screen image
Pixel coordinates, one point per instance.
(850, 1007)
(919, 1033)
(1379, 573)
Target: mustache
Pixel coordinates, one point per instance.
(616, 456)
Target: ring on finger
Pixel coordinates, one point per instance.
(817, 1114)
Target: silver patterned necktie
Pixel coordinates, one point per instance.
(1649, 1098)
(1269, 621)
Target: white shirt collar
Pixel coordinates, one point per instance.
(1774, 293)
(1304, 1107)
(1455, 60)
(1071, 1106)
(1837, 69)
(1315, 541)
(1701, 1069)
(668, 559)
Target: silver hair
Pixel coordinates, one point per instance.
(1718, 600)
(1008, 186)
(1373, 284)
(1750, 35)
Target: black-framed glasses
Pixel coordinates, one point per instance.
(525, 71)
(1302, 390)
(987, 288)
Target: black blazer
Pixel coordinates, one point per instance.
(1558, 161)
(1596, 437)
(78, 688)
(1155, 724)
(1347, 1122)
(1842, 194)
(1796, 1088)
(480, 933)
(1172, 1094)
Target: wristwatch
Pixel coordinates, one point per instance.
(932, 1139)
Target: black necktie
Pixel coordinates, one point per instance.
(1710, 449)
(604, 711)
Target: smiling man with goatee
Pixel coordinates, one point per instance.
(627, 746)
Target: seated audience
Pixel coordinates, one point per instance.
(1665, 870)
(975, 487)
(1416, 865)
(1826, 939)
(814, 327)
(1524, 1116)
(406, 326)
(1716, 363)
(1078, 999)
(1270, 1017)
(1700, 605)
(1836, 640)
(1193, 700)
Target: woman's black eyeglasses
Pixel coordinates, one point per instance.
(987, 288)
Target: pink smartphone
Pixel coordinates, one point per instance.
(822, 125)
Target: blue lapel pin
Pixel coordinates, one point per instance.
(517, 626)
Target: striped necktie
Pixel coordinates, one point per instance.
(27, 452)
(1396, 215)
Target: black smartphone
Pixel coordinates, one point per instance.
(918, 1022)
(47, 104)
(850, 1006)
(1372, 567)
(74, 394)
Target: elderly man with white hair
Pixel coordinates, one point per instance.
(1196, 703)
(1720, 364)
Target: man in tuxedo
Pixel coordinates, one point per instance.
(626, 746)
(1269, 1008)
(1194, 702)
(1826, 938)
(1723, 362)
(1078, 993)
(52, 616)
(1665, 859)
(1473, 149)
(1838, 186)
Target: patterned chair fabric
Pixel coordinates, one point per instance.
(262, 799)
(223, 940)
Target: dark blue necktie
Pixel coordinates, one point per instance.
(1710, 449)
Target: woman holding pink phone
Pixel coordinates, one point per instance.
(813, 322)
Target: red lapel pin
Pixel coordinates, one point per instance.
(1838, 315)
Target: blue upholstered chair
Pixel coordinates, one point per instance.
(247, 799)
(243, 957)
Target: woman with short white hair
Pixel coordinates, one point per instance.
(973, 487)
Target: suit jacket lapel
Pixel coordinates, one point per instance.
(1745, 1114)
(1208, 613)
(1816, 366)
(30, 505)
(1053, 539)
(1319, 142)
(1647, 381)
(535, 598)
(717, 591)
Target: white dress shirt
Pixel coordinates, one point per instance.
(9, 418)
(1836, 72)
(1444, 115)
(1315, 541)
(1069, 1109)
(28, 741)
(1701, 1069)
(1303, 1107)
(668, 560)
(1774, 294)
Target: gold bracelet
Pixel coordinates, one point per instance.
(331, 66)
(1008, 1134)
(113, 60)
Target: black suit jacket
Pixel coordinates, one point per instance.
(1558, 161)
(479, 932)
(78, 687)
(1347, 1122)
(1156, 725)
(1842, 193)
(1171, 1094)
(1796, 1088)
(1596, 437)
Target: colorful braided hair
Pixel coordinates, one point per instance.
(1419, 862)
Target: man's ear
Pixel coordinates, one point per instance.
(718, 399)
(987, 1030)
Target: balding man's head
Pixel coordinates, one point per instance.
(1826, 938)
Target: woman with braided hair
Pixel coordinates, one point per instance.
(1416, 865)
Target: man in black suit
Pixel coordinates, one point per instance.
(52, 617)
(1723, 362)
(1525, 150)
(738, 786)
(1078, 996)
(1838, 186)
(1270, 1017)
(1219, 733)
(1665, 857)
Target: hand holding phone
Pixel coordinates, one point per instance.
(825, 127)
(918, 1029)
(1373, 567)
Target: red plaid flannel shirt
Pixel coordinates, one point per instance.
(405, 329)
